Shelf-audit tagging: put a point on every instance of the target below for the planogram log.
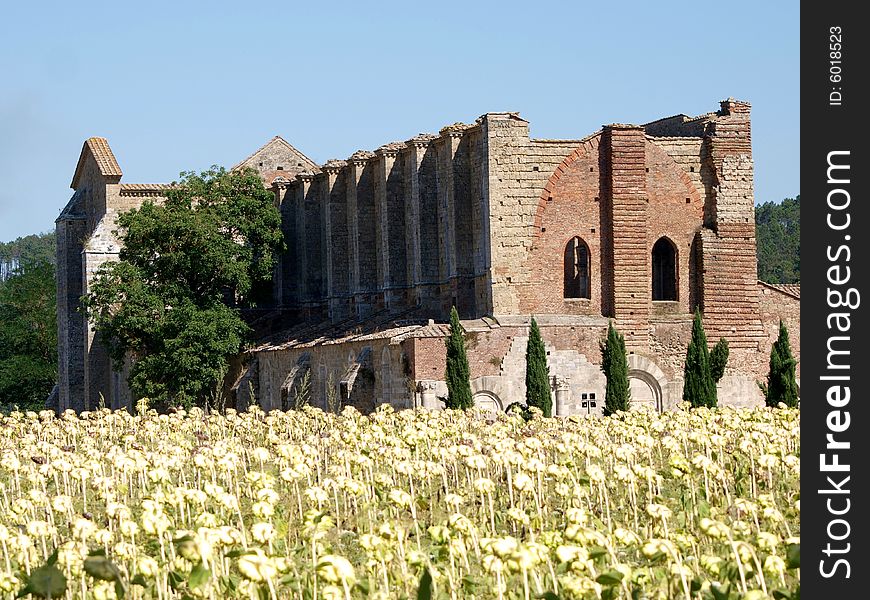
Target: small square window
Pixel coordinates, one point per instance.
(280, 168)
(584, 405)
(593, 404)
(592, 396)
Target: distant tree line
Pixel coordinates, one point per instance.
(778, 240)
(30, 249)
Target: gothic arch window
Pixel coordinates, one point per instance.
(577, 284)
(664, 270)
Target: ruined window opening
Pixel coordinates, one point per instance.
(664, 270)
(577, 283)
(280, 168)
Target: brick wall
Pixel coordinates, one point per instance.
(774, 305)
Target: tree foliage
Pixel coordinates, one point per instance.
(614, 365)
(28, 336)
(457, 372)
(28, 250)
(703, 368)
(538, 393)
(171, 303)
(778, 241)
(781, 382)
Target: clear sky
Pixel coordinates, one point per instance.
(182, 85)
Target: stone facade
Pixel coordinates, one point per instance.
(638, 224)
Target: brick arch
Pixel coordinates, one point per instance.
(587, 145)
(670, 216)
(675, 169)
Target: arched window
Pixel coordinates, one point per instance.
(664, 270)
(577, 269)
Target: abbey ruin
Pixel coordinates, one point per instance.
(639, 224)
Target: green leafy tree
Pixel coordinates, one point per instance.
(28, 336)
(457, 372)
(703, 368)
(781, 382)
(778, 240)
(614, 364)
(538, 392)
(171, 303)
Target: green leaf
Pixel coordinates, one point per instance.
(199, 575)
(176, 580)
(45, 582)
(548, 595)
(720, 591)
(782, 594)
(703, 508)
(793, 556)
(120, 591)
(139, 580)
(100, 567)
(52, 558)
(597, 552)
(612, 577)
(424, 592)
(238, 552)
(363, 587)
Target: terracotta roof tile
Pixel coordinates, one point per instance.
(144, 189)
(98, 147)
(792, 289)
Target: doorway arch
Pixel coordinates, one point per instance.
(646, 382)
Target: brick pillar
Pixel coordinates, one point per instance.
(390, 212)
(626, 199)
(729, 275)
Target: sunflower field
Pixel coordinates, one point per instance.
(691, 504)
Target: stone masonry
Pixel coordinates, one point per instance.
(638, 224)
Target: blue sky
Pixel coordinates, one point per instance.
(183, 85)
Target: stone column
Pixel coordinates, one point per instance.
(563, 396)
(302, 188)
(383, 165)
(427, 393)
(447, 144)
(330, 171)
(354, 171)
(279, 188)
(414, 150)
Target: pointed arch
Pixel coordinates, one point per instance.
(664, 270)
(576, 260)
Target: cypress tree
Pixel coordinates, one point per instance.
(457, 371)
(537, 373)
(614, 364)
(781, 382)
(699, 387)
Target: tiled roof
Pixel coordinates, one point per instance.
(98, 148)
(144, 189)
(792, 289)
(382, 326)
